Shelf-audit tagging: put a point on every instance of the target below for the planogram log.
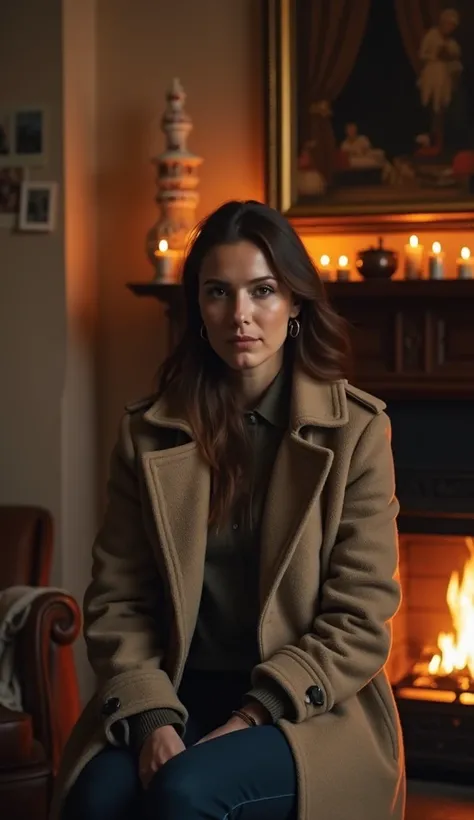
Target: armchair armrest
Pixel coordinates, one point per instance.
(46, 669)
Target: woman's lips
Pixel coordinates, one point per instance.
(243, 341)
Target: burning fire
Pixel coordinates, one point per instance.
(456, 649)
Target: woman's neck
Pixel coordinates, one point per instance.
(252, 383)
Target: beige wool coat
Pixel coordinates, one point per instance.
(328, 592)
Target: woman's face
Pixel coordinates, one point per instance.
(245, 309)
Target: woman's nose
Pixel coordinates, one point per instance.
(241, 309)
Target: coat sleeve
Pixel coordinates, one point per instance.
(351, 635)
(122, 604)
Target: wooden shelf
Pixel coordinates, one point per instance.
(164, 293)
(402, 288)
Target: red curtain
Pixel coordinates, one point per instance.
(335, 30)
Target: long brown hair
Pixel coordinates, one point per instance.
(200, 377)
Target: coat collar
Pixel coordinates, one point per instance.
(313, 404)
(317, 404)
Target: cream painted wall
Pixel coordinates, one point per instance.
(79, 459)
(48, 289)
(32, 314)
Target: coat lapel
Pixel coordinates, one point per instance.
(300, 472)
(298, 478)
(178, 482)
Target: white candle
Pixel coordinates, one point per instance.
(414, 259)
(325, 268)
(436, 262)
(465, 265)
(166, 263)
(343, 272)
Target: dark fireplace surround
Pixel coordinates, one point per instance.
(433, 447)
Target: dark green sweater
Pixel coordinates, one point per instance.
(226, 631)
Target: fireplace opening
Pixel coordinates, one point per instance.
(431, 666)
(444, 673)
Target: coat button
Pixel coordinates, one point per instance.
(315, 696)
(110, 706)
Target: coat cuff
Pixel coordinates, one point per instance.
(142, 725)
(289, 671)
(134, 692)
(273, 700)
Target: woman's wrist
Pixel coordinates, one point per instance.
(254, 713)
(143, 724)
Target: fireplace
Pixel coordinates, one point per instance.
(432, 660)
(431, 666)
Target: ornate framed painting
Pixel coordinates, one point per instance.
(370, 113)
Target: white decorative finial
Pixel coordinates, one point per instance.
(177, 178)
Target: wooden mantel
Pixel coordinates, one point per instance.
(409, 337)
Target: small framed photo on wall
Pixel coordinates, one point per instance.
(23, 137)
(29, 135)
(38, 203)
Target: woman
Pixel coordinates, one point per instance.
(245, 573)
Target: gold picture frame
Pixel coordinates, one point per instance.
(445, 210)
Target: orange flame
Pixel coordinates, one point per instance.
(456, 649)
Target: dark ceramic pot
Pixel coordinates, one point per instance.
(377, 263)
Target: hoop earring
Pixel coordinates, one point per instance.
(294, 328)
(203, 333)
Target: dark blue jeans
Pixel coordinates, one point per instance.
(249, 774)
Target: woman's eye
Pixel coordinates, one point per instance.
(216, 292)
(264, 290)
(219, 292)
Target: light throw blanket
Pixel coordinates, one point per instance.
(15, 606)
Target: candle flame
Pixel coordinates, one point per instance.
(325, 259)
(414, 241)
(343, 261)
(162, 246)
(465, 253)
(436, 247)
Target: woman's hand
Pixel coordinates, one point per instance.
(159, 747)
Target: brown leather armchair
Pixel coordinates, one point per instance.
(31, 742)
